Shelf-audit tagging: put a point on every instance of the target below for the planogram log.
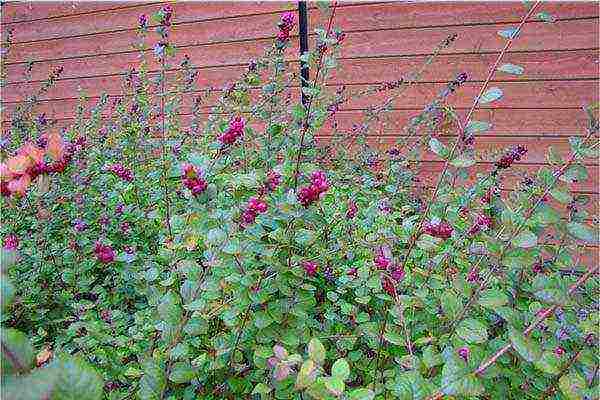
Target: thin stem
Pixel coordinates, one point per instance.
(163, 148)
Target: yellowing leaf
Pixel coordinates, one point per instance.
(56, 146)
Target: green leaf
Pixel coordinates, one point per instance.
(306, 375)
(153, 383)
(544, 16)
(477, 126)
(548, 363)
(182, 372)
(431, 357)
(526, 347)
(575, 173)
(438, 148)
(261, 389)
(552, 296)
(298, 112)
(304, 237)
(334, 385)
(7, 292)
(462, 161)
(561, 195)
(493, 298)
(582, 232)
(17, 352)
(451, 304)
(510, 33)
(76, 379)
(511, 69)
(361, 394)
(454, 381)
(427, 242)
(316, 351)
(393, 338)
(525, 239)
(472, 331)
(490, 95)
(262, 320)
(572, 386)
(340, 369)
(169, 308)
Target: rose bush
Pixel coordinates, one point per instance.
(231, 257)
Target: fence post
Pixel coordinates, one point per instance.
(303, 29)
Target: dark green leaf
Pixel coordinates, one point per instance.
(472, 331)
(526, 347)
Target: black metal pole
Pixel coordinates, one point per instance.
(303, 28)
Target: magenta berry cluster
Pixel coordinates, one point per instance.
(234, 131)
(439, 229)
(11, 242)
(511, 156)
(311, 194)
(193, 180)
(464, 353)
(310, 267)
(254, 207)
(482, 223)
(104, 253)
(273, 180)
(285, 27)
(120, 171)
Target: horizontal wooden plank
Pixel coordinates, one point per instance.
(488, 148)
(543, 65)
(569, 34)
(357, 17)
(562, 35)
(542, 94)
(193, 34)
(21, 11)
(397, 15)
(516, 122)
(125, 19)
(538, 94)
(571, 64)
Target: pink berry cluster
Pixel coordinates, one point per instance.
(104, 253)
(235, 130)
(438, 229)
(310, 267)
(482, 223)
(463, 353)
(11, 242)
(511, 156)
(192, 179)
(165, 15)
(285, 27)
(273, 180)
(310, 194)
(395, 271)
(120, 171)
(254, 207)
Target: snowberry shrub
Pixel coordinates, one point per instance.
(230, 256)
